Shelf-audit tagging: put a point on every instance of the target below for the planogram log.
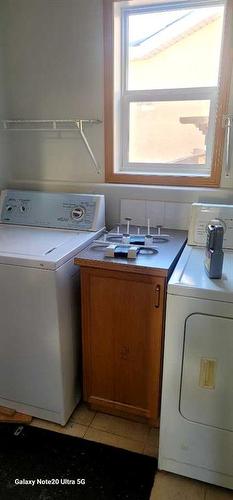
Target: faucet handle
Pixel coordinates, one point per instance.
(128, 220)
(105, 233)
(159, 227)
(148, 226)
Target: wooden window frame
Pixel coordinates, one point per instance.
(226, 65)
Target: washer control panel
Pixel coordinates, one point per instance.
(58, 210)
(204, 214)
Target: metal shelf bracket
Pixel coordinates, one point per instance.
(79, 124)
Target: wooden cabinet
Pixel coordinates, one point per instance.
(122, 336)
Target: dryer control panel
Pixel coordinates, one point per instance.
(204, 214)
(55, 210)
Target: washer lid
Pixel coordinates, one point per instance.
(191, 280)
(40, 247)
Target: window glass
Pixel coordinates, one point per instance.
(174, 49)
(168, 132)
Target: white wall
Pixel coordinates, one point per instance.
(4, 141)
(52, 67)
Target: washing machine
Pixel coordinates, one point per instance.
(40, 233)
(196, 432)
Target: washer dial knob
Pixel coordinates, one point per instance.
(77, 213)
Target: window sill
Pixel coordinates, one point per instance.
(162, 180)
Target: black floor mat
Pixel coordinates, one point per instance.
(28, 453)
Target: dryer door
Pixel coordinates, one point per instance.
(206, 394)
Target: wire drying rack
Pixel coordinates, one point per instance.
(54, 125)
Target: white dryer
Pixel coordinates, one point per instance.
(196, 433)
(40, 233)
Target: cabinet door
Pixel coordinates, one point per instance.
(122, 341)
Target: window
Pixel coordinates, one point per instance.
(167, 81)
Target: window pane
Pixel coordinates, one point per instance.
(168, 132)
(174, 49)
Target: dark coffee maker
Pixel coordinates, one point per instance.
(214, 252)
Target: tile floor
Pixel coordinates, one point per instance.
(107, 429)
(139, 438)
(171, 487)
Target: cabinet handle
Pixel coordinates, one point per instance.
(157, 296)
